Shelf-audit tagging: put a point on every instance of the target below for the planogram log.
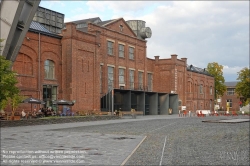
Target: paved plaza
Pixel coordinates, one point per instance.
(146, 140)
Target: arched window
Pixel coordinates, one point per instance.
(49, 69)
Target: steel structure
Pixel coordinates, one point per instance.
(15, 17)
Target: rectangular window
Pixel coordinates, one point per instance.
(110, 48)
(110, 78)
(201, 88)
(49, 68)
(100, 78)
(131, 53)
(140, 78)
(121, 76)
(131, 79)
(230, 91)
(211, 90)
(150, 81)
(121, 51)
(229, 103)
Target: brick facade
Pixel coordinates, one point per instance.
(81, 64)
(231, 97)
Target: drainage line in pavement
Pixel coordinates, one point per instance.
(163, 148)
(158, 128)
(124, 162)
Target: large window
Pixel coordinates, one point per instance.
(131, 79)
(121, 76)
(110, 77)
(110, 48)
(229, 103)
(121, 50)
(49, 94)
(201, 88)
(101, 78)
(230, 91)
(140, 78)
(49, 68)
(131, 53)
(150, 81)
(211, 90)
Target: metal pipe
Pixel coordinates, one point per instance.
(39, 65)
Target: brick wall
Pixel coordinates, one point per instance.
(78, 57)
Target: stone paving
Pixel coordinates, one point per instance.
(147, 140)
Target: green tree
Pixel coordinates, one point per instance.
(243, 86)
(15, 101)
(216, 71)
(8, 81)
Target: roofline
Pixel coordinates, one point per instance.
(45, 33)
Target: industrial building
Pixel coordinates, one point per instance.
(103, 66)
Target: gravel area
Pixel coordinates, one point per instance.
(183, 141)
(170, 140)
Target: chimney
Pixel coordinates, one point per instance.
(157, 58)
(174, 57)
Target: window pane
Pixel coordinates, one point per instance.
(110, 77)
(140, 80)
(121, 50)
(110, 48)
(49, 69)
(131, 76)
(121, 76)
(131, 53)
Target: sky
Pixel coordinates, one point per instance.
(201, 31)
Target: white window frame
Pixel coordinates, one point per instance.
(49, 69)
(121, 50)
(110, 47)
(131, 51)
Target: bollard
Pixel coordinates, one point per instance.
(189, 113)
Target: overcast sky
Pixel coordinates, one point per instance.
(202, 31)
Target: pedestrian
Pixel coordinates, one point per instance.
(23, 114)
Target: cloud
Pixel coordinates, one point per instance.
(51, 3)
(203, 32)
(230, 73)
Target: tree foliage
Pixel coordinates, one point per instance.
(216, 71)
(8, 81)
(243, 86)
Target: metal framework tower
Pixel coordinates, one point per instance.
(15, 17)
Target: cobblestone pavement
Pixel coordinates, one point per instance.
(147, 140)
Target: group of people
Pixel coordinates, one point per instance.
(42, 112)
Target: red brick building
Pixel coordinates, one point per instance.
(93, 59)
(231, 98)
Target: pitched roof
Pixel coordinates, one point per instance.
(198, 70)
(232, 84)
(103, 23)
(39, 28)
(87, 20)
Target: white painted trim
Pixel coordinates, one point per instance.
(110, 65)
(122, 67)
(111, 40)
(121, 43)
